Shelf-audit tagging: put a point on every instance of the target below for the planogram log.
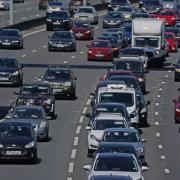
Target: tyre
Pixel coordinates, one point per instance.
(48, 28)
(34, 158)
(52, 114)
(73, 95)
(47, 136)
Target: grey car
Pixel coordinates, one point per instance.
(127, 11)
(35, 115)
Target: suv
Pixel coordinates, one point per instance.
(62, 80)
(37, 94)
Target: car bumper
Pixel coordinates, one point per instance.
(64, 26)
(101, 58)
(10, 45)
(59, 47)
(61, 92)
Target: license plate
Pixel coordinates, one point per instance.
(4, 79)
(13, 152)
(99, 55)
(79, 34)
(57, 90)
(6, 44)
(60, 45)
(56, 23)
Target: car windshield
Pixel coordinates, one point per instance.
(103, 124)
(9, 33)
(169, 36)
(85, 10)
(167, 13)
(151, 3)
(119, 1)
(58, 75)
(127, 164)
(62, 35)
(81, 25)
(8, 63)
(109, 109)
(10, 130)
(97, 44)
(28, 113)
(146, 42)
(125, 9)
(59, 14)
(113, 15)
(35, 89)
(113, 41)
(120, 136)
(130, 82)
(124, 98)
(136, 52)
(130, 66)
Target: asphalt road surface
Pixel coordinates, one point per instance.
(63, 157)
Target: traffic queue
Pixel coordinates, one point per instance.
(133, 40)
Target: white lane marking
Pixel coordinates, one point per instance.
(24, 55)
(34, 51)
(102, 14)
(37, 15)
(78, 130)
(163, 157)
(71, 167)
(88, 102)
(73, 57)
(157, 134)
(166, 76)
(167, 171)
(163, 82)
(81, 119)
(160, 146)
(97, 27)
(65, 62)
(157, 104)
(29, 9)
(15, 11)
(84, 110)
(169, 71)
(160, 89)
(73, 153)
(81, 52)
(34, 32)
(158, 95)
(76, 139)
(44, 46)
(156, 123)
(23, 18)
(156, 113)
(69, 178)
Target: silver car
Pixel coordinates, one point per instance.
(87, 13)
(35, 115)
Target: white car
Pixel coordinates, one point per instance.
(4, 5)
(87, 13)
(100, 123)
(120, 164)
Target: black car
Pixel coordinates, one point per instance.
(113, 19)
(37, 94)
(58, 20)
(62, 81)
(62, 41)
(10, 71)
(136, 66)
(176, 31)
(177, 70)
(114, 5)
(17, 141)
(11, 39)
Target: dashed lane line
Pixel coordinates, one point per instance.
(81, 119)
(73, 153)
(167, 171)
(163, 157)
(71, 167)
(78, 129)
(160, 146)
(76, 141)
(84, 110)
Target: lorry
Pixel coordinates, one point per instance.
(149, 33)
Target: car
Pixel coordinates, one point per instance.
(172, 42)
(17, 141)
(140, 52)
(127, 11)
(113, 5)
(11, 39)
(110, 177)
(99, 124)
(125, 135)
(128, 29)
(11, 72)
(169, 15)
(115, 164)
(83, 30)
(53, 6)
(113, 19)
(33, 114)
(62, 41)
(87, 13)
(176, 31)
(4, 5)
(37, 93)
(100, 50)
(177, 70)
(176, 109)
(136, 66)
(62, 81)
(58, 20)
(116, 47)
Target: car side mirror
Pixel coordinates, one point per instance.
(144, 140)
(88, 128)
(40, 78)
(7, 117)
(92, 94)
(139, 105)
(144, 168)
(87, 167)
(163, 47)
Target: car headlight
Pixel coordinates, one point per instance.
(157, 52)
(140, 79)
(173, 18)
(43, 124)
(1, 146)
(177, 70)
(30, 145)
(15, 41)
(20, 100)
(178, 110)
(118, 21)
(87, 32)
(48, 101)
(93, 136)
(67, 84)
(49, 20)
(140, 150)
(50, 42)
(15, 73)
(70, 43)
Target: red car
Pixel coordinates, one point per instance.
(169, 15)
(177, 110)
(100, 50)
(172, 42)
(83, 30)
(113, 72)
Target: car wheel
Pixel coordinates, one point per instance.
(48, 28)
(52, 114)
(73, 95)
(34, 159)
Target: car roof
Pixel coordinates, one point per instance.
(136, 48)
(124, 77)
(121, 130)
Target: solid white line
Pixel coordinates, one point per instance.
(81, 119)
(169, 71)
(160, 146)
(166, 76)
(71, 167)
(23, 18)
(37, 15)
(76, 139)
(69, 178)
(163, 82)
(34, 32)
(160, 89)
(44, 46)
(163, 157)
(167, 171)
(156, 113)
(157, 134)
(84, 110)
(88, 102)
(78, 130)
(73, 153)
